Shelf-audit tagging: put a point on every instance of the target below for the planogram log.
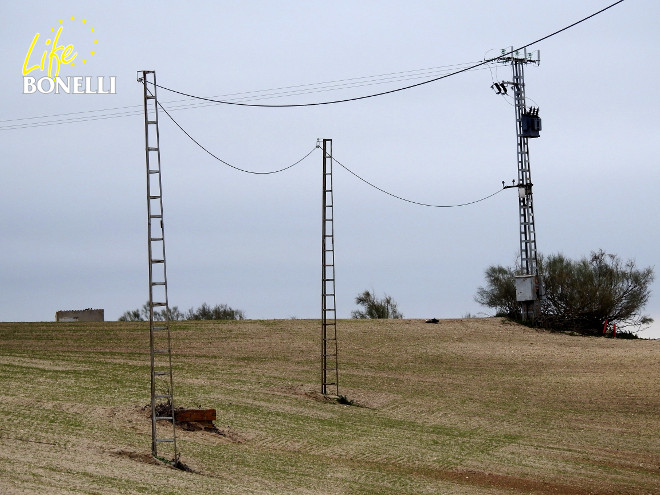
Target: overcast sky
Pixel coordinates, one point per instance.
(73, 202)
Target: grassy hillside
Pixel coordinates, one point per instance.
(463, 407)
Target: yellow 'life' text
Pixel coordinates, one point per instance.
(58, 55)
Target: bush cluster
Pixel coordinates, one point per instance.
(374, 307)
(576, 295)
(204, 312)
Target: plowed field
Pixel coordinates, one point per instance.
(471, 406)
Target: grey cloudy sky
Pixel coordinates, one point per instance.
(73, 208)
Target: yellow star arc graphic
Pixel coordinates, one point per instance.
(92, 30)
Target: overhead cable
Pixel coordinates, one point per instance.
(410, 200)
(20, 123)
(334, 159)
(224, 162)
(254, 95)
(382, 93)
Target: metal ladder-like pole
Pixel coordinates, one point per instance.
(329, 361)
(528, 257)
(163, 432)
(528, 252)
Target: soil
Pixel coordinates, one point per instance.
(468, 406)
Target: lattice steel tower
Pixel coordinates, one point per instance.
(329, 366)
(163, 430)
(528, 125)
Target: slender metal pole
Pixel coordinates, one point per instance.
(160, 344)
(329, 359)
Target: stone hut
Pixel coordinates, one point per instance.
(88, 314)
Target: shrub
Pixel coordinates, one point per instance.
(500, 291)
(579, 295)
(133, 315)
(217, 312)
(375, 308)
(204, 312)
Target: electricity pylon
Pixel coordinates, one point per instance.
(529, 289)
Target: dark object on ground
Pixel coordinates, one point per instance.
(177, 464)
(432, 320)
(203, 416)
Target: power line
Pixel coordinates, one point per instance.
(284, 90)
(71, 120)
(69, 113)
(224, 162)
(383, 93)
(261, 94)
(295, 90)
(410, 200)
(308, 154)
(339, 84)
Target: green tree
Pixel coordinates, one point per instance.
(579, 295)
(375, 308)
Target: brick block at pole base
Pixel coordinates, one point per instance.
(194, 415)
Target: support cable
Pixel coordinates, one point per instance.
(396, 90)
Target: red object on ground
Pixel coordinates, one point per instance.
(614, 331)
(605, 328)
(194, 415)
